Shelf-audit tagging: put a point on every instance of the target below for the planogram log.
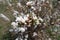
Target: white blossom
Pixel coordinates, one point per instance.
(18, 19)
(37, 21)
(40, 19)
(35, 26)
(15, 11)
(22, 29)
(25, 39)
(27, 15)
(33, 8)
(26, 36)
(11, 30)
(10, 4)
(25, 18)
(30, 3)
(22, 14)
(34, 34)
(4, 17)
(40, 9)
(19, 4)
(49, 39)
(14, 24)
(47, 1)
(21, 19)
(25, 27)
(18, 38)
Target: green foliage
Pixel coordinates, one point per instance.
(7, 36)
(2, 8)
(49, 32)
(0, 26)
(58, 38)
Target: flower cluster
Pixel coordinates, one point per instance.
(30, 18)
(26, 24)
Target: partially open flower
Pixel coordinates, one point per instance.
(18, 19)
(30, 3)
